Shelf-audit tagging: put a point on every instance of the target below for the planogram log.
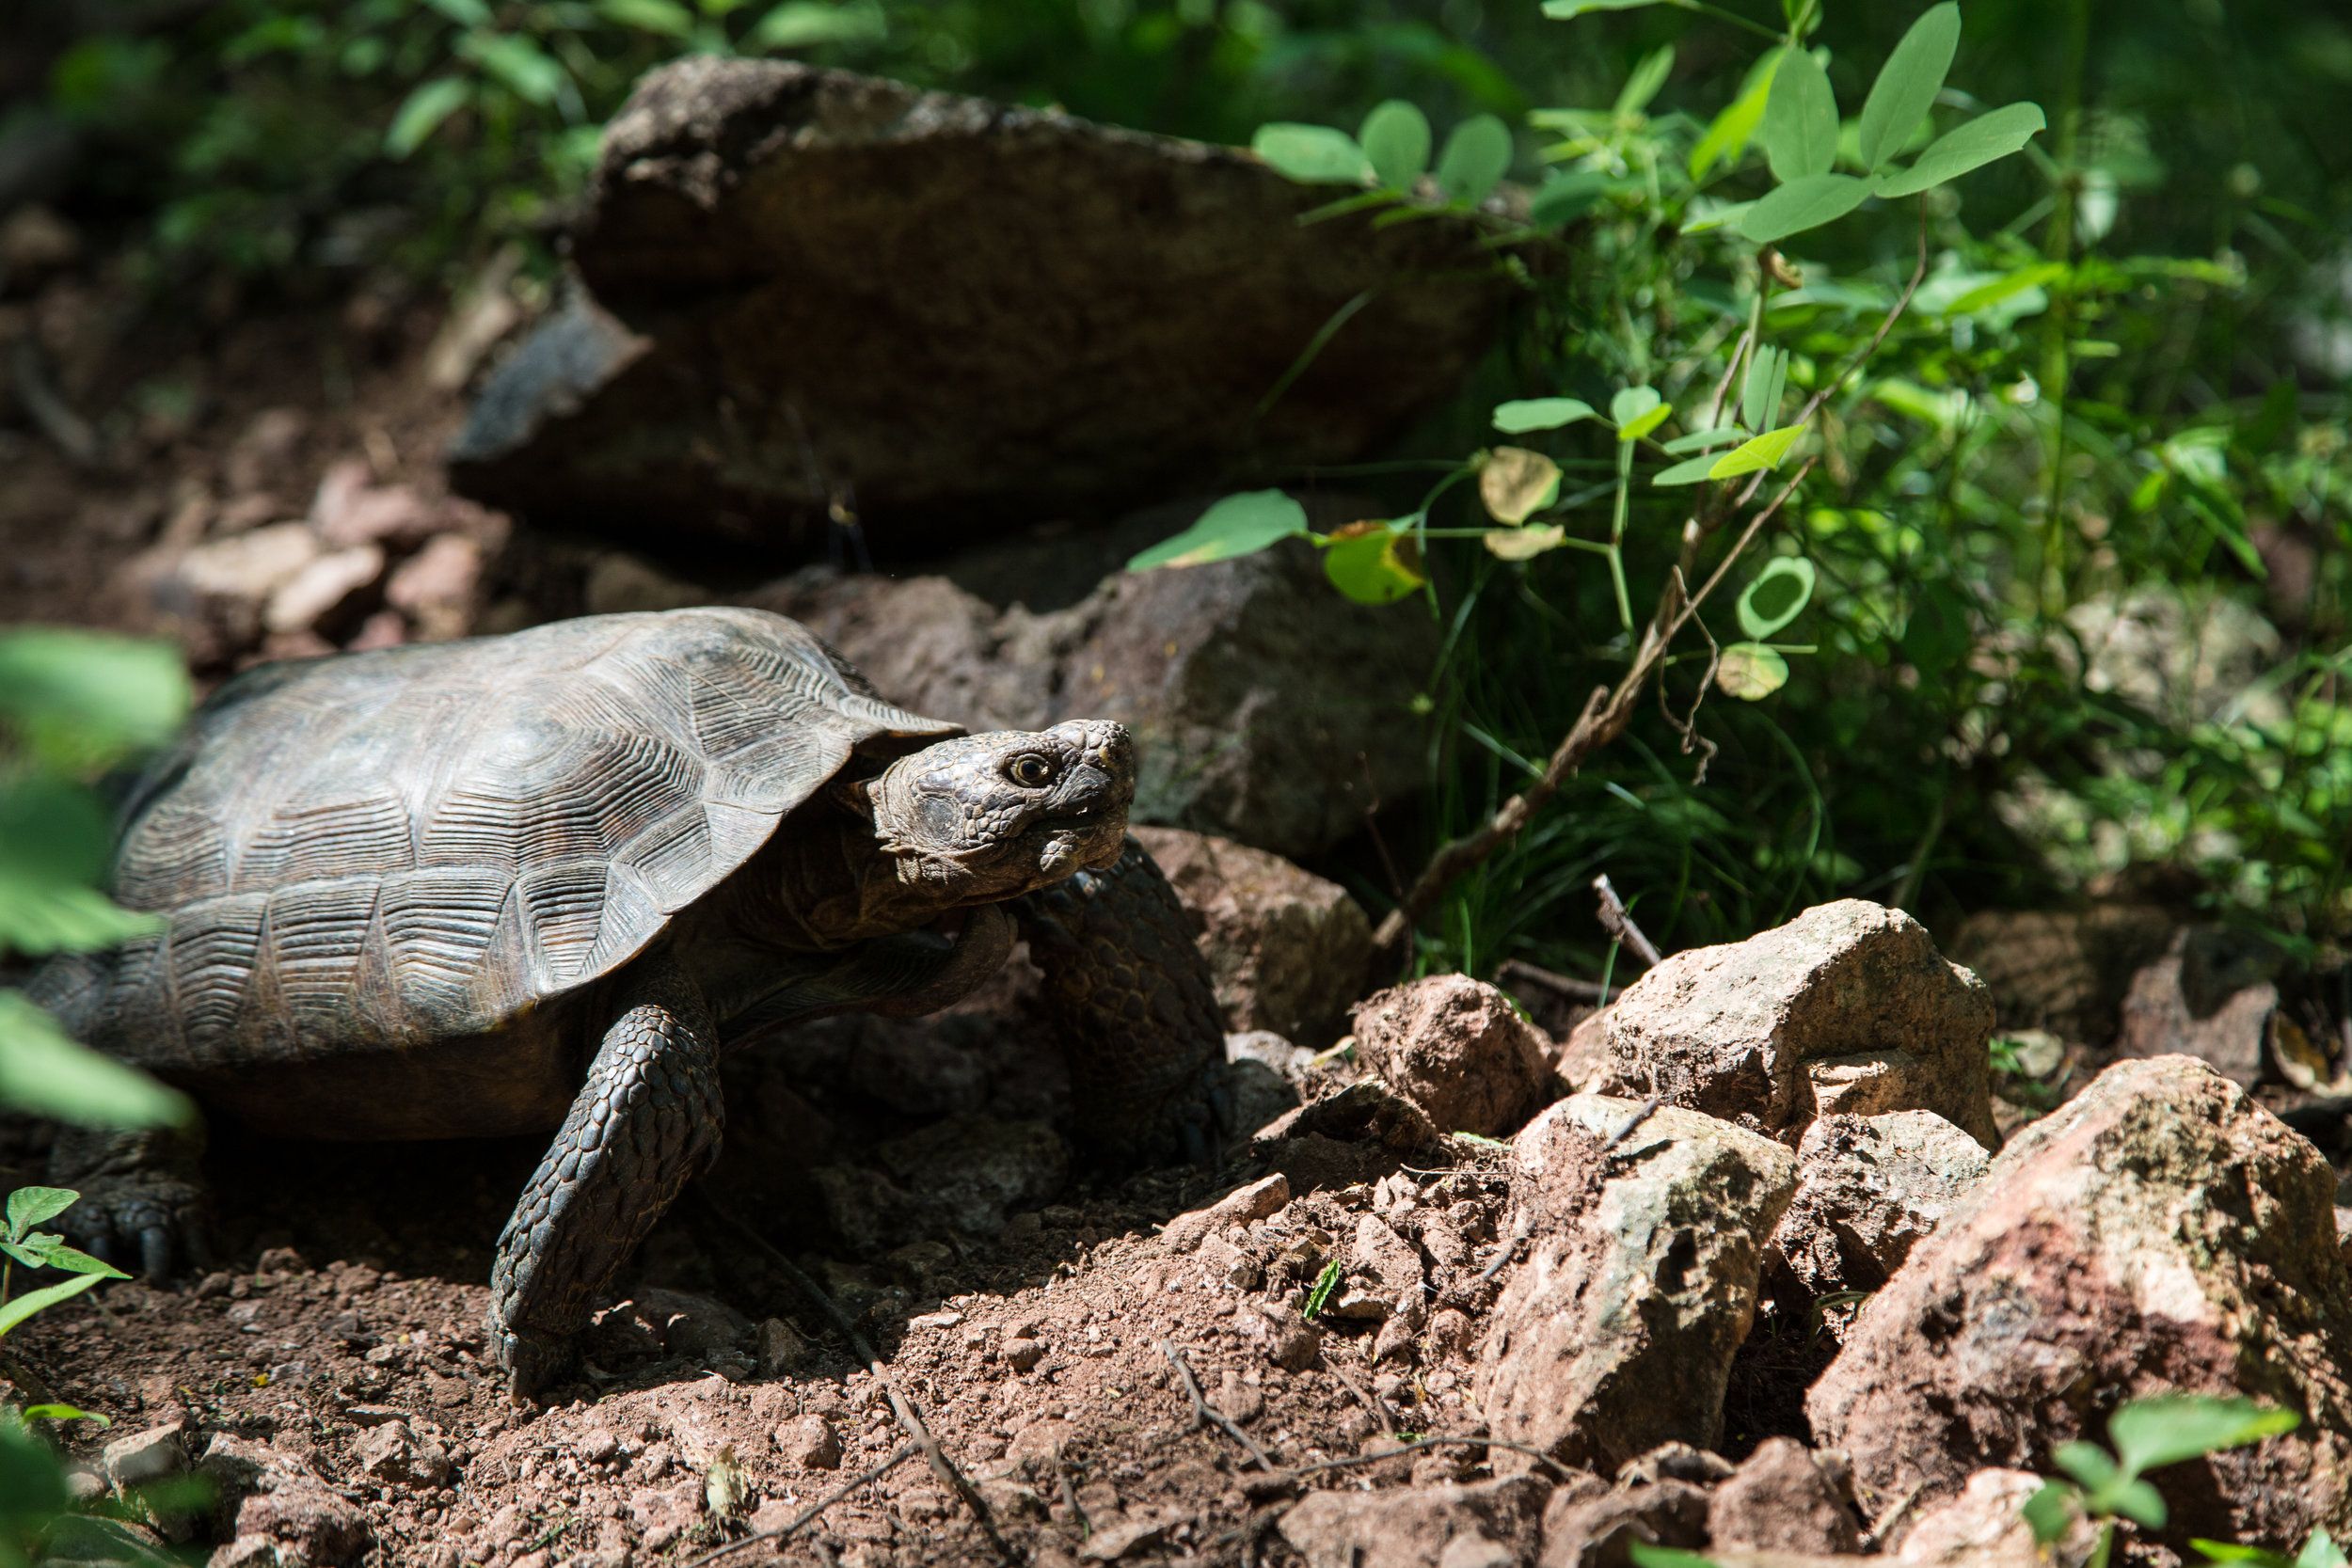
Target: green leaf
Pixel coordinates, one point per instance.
(1980, 141)
(1373, 566)
(2088, 1463)
(665, 17)
(54, 843)
(1802, 205)
(32, 1479)
(1395, 138)
(1800, 127)
(1564, 198)
(529, 71)
(1643, 422)
(2232, 1551)
(1645, 1555)
(2134, 1500)
(1313, 154)
(1907, 84)
(1647, 79)
(1475, 157)
(89, 697)
(1514, 484)
(32, 1205)
(1525, 414)
(66, 1260)
(805, 23)
(465, 14)
(1320, 1295)
(1565, 11)
(1728, 135)
(1703, 440)
(2050, 1512)
(46, 1073)
(2167, 1429)
(1761, 393)
(64, 1413)
(1238, 525)
(1751, 671)
(1631, 403)
(2321, 1551)
(20, 1307)
(1690, 471)
(1777, 596)
(1763, 452)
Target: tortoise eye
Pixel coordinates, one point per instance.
(1030, 772)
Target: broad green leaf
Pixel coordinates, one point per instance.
(1647, 79)
(529, 71)
(2051, 1511)
(2134, 1500)
(1777, 596)
(1982, 140)
(1646, 421)
(65, 1412)
(1563, 11)
(1376, 565)
(2321, 1551)
(1728, 135)
(32, 1478)
(1631, 403)
(104, 694)
(1564, 198)
(1475, 158)
(422, 114)
(54, 839)
(1525, 414)
(1763, 452)
(1907, 84)
(1395, 138)
(1751, 671)
(1705, 440)
(66, 1260)
(1313, 154)
(465, 14)
(1690, 471)
(20, 1307)
(2088, 1463)
(1238, 525)
(1800, 129)
(805, 23)
(1802, 205)
(1524, 543)
(2232, 1551)
(23, 1252)
(32, 1205)
(2167, 1429)
(666, 17)
(1760, 392)
(1514, 484)
(48, 1074)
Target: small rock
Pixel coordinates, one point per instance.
(2211, 995)
(2159, 1232)
(1616, 1331)
(1389, 1261)
(1244, 1204)
(1785, 1498)
(349, 511)
(1289, 951)
(782, 1347)
(221, 586)
(393, 1453)
(1984, 1526)
(437, 586)
(142, 1457)
(324, 593)
(1022, 1354)
(1116, 1541)
(1293, 1344)
(1589, 1524)
(1456, 1526)
(1847, 1008)
(307, 1525)
(1868, 1190)
(1459, 1050)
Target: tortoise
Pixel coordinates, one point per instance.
(542, 879)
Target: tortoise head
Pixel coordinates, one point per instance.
(984, 817)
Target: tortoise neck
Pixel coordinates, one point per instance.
(824, 882)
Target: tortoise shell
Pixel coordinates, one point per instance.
(392, 849)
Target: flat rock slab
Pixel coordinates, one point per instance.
(811, 286)
(2160, 1232)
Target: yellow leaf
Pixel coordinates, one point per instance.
(1525, 544)
(1516, 483)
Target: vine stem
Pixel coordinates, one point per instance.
(1609, 709)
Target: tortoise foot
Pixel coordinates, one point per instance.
(535, 1363)
(143, 1206)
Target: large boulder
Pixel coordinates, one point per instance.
(813, 288)
(1289, 950)
(1266, 707)
(1616, 1330)
(1456, 1048)
(2159, 1232)
(1869, 1189)
(1847, 1009)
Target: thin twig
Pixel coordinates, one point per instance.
(906, 1451)
(1070, 1496)
(68, 431)
(1633, 1123)
(1531, 1450)
(1521, 1228)
(1618, 921)
(1357, 1390)
(1567, 985)
(909, 1415)
(1205, 1413)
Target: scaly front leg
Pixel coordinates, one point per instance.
(1136, 1011)
(645, 1124)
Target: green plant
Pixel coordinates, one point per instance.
(2110, 1488)
(1319, 1296)
(20, 1242)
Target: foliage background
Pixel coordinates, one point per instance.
(2082, 619)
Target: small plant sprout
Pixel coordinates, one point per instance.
(2107, 1486)
(1320, 1297)
(28, 1207)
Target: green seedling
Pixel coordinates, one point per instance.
(1320, 1297)
(42, 1249)
(2110, 1486)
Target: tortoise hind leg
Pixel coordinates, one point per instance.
(1134, 1003)
(646, 1123)
(143, 1203)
